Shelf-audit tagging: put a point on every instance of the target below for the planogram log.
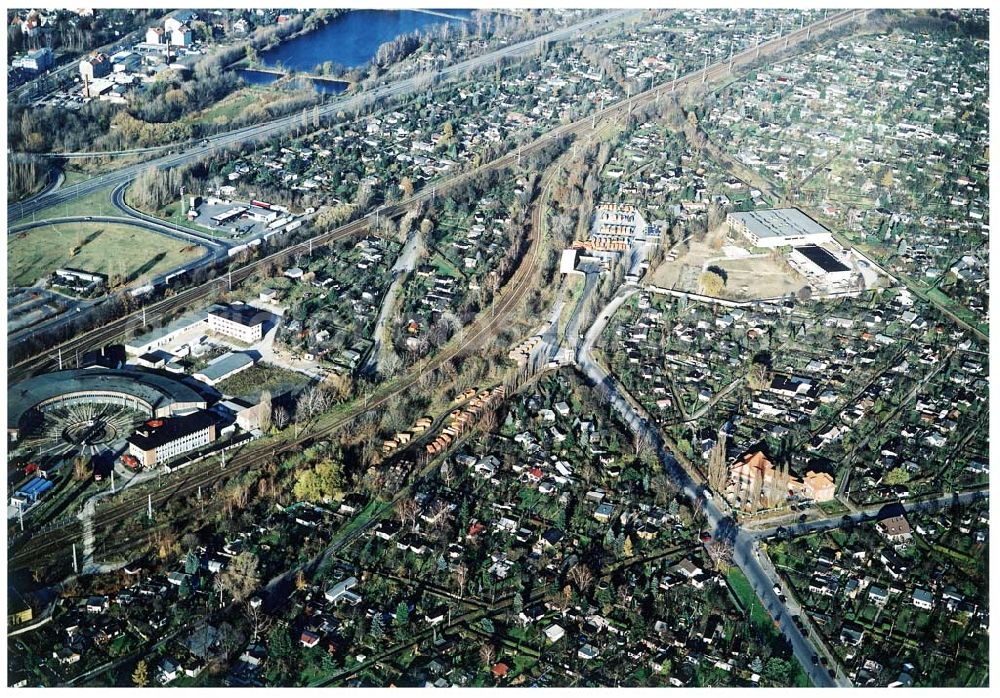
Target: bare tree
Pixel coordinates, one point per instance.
(487, 653)
(240, 577)
(663, 488)
(581, 576)
(721, 552)
(776, 491)
(758, 377)
(313, 401)
(642, 441)
(718, 473)
(407, 510)
(264, 411)
(441, 515)
(281, 417)
(260, 621)
(461, 576)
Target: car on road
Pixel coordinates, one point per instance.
(89, 218)
(706, 536)
(777, 589)
(815, 660)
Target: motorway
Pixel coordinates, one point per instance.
(291, 121)
(483, 329)
(104, 335)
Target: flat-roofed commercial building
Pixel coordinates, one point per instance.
(159, 440)
(778, 227)
(221, 368)
(818, 263)
(243, 322)
(228, 215)
(161, 337)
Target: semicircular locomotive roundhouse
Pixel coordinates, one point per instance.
(147, 392)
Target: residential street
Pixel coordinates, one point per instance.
(744, 545)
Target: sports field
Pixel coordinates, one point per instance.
(124, 252)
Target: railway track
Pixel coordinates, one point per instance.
(485, 327)
(98, 337)
(193, 478)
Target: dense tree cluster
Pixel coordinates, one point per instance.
(67, 31)
(25, 176)
(319, 483)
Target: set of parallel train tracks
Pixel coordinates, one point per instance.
(190, 480)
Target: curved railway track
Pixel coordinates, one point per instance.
(195, 477)
(103, 335)
(189, 480)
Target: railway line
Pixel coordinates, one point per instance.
(190, 480)
(289, 122)
(483, 328)
(103, 335)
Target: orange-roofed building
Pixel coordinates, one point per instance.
(754, 471)
(819, 487)
(750, 468)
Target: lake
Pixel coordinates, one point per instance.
(263, 77)
(352, 39)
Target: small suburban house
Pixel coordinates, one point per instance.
(895, 529)
(923, 599)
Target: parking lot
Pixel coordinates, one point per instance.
(238, 228)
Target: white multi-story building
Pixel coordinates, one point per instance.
(35, 61)
(243, 322)
(160, 440)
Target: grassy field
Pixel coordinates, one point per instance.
(741, 587)
(225, 110)
(74, 177)
(96, 203)
(261, 377)
(115, 249)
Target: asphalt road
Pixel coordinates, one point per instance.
(191, 152)
(745, 555)
(212, 252)
(866, 514)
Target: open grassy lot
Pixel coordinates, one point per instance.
(263, 376)
(744, 592)
(96, 203)
(759, 277)
(228, 108)
(74, 177)
(123, 252)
